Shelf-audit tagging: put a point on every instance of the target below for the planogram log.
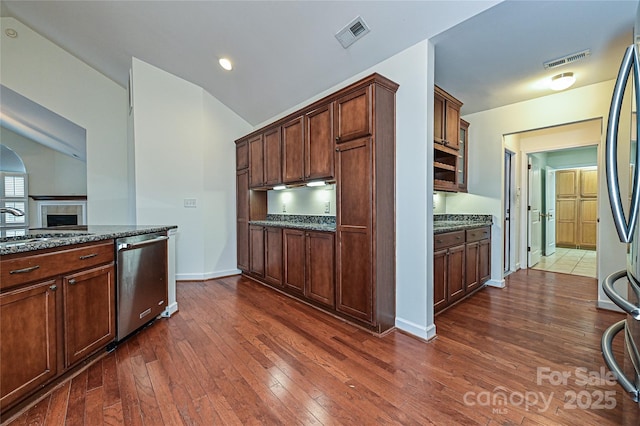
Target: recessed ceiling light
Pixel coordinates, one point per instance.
(562, 81)
(226, 64)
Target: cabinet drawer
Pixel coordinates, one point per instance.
(478, 234)
(448, 239)
(27, 268)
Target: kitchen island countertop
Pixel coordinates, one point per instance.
(60, 236)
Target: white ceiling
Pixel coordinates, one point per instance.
(285, 52)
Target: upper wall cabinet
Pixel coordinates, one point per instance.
(256, 161)
(319, 158)
(293, 150)
(450, 146)
(272, 157)
(446, 119)
(353, 115)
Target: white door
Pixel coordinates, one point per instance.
(550, 212)
(535, 204)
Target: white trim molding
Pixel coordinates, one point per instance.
(425, 333)
(496, 283)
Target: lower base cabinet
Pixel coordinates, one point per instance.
(461, 265)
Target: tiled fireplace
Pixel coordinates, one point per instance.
(61, 212)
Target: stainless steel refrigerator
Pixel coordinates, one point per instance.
(627, 370)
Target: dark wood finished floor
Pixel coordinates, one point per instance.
(239, 353)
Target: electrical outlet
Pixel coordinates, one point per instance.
(190, 203)
(327, 207)
(284, 208)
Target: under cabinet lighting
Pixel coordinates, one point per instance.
(317, 183)
(279, 187)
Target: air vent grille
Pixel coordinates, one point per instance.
(567, 59)
(353, 31)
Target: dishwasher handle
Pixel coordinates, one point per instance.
(133, 246)
(610, 360)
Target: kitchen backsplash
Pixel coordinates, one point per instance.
(303, 201)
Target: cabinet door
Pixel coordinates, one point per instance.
(566, 184)
(256, 161)
(471, 277)
(484, 260)
(242, 155)
(439, 111)
(273, 255)
(354, 257)
(242, 223)
(439, 280)
(319, 147)
(455, 273)
(589, 183)
(588, 222)
(320, 279)
(272, 157)
(294, 259)
(256, 250)
(463, 155)
(292, 151)
(354, 118)
(28, 353)
(90, 320)
(566, 221)
(452, 125)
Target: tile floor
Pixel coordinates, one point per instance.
(570, 261)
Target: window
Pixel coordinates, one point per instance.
(13, 191)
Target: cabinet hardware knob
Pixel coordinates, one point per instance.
(337, 138)
(438, 241)
(88, 256)
(72, 281)
(53, 287)
(458, 238)
(337, 149)
(24, 270)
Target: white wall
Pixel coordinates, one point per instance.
(412, 69)
(43, 72)
(485, 157)
(183, 142)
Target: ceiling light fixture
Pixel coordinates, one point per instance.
(562, 81)
(225, 63)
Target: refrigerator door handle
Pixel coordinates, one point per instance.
(610, 360)
(625, 228)
(621, 302)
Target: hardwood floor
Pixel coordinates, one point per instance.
(239, 353)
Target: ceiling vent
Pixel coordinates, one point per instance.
(555, 63)
(354, 31)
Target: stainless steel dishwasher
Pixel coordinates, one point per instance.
(142, 280)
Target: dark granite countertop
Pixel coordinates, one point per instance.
(60, 236)
(307, 222)
(456, 222)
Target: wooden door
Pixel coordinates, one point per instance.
(588, 223)
(354, 222)
(273, 256)
(27, 363)
(566, 184)
(293, 150)
(242, 222)
(354, 118)
(294, 259)
(589, 183)
(439, 280)
(320, 270)
(256, 250)
(319, 143)
(256, 162)
(272, 157)
(484, 260)
(455, 273)
(89, 319)
(566, 221)
(471, 277)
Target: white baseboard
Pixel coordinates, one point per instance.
(170, 310)
(517, 266)
(207, 275)
(608, 305)
(425, 333)
(496, 283)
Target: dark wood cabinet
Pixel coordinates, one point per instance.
(449, 167)
(273, 269)
(256, 250)
(57, 307)
(242, 221)
(446, 116)
(242, 155)
(256, 161)
(348, 137)
(354, 115)
(319, 143)
(272, 157)
(461, 264)
(293, 150)
(90, 319)
(463, 156)
(29, 332)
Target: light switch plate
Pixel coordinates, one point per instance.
(327, 207)
(190, 203)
